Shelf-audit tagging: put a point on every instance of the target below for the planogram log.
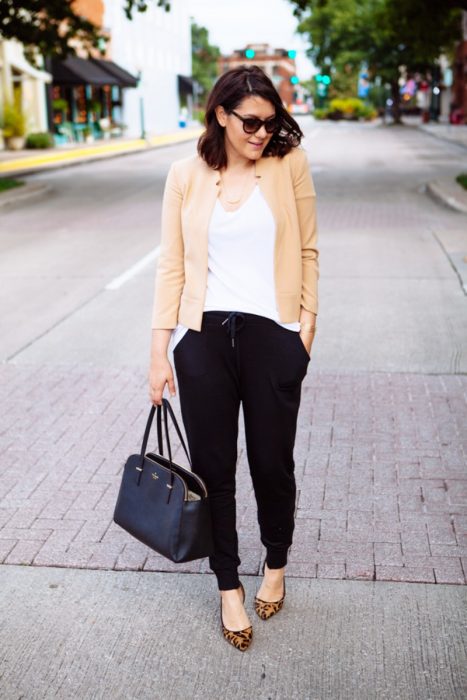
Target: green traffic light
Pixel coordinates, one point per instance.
(292, 53)
(319, 78)
(326, 79)
(249, 53)
(294, 80)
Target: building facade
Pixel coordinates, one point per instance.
(23, 85)
(156, 47)
(137, 82)
(276, 63)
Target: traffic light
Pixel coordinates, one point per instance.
(250, 53)
(292, 53)
(294, 80)
(324, 82)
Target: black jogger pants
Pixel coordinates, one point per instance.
(241, 357)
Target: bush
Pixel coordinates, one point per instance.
(40, 140)
(14, 121)
(462, 180)
(346, 108)
(320, 113)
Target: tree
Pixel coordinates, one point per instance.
(204, 59)
(142, 6)
(50, 26)
(384, 34)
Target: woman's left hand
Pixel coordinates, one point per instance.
(307, 340)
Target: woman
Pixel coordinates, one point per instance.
(236, 287)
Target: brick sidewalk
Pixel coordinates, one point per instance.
(380, 464)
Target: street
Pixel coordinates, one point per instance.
(381, 239)
(381, 449)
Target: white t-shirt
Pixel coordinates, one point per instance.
(241, 262)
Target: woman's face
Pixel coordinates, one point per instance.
(238, 143)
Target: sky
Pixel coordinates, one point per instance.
(234, 23)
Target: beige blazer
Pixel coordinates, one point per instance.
(190, 194)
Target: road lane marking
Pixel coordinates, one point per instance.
(132, 271)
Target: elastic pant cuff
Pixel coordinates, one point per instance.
(228, 582)
(276, 559)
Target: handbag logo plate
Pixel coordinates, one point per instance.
(154, 475)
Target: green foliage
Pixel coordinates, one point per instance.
(60, 105)
(40, 140)
(142, 6)
(352, 108)
(14, 121)
(384, 34)
(462, 180)
(7, 183)
(199, 115)
(346, 108)
(344, 81)
(204, 60)
(49, 27)
(320, 113)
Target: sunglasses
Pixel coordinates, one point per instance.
(253, 124)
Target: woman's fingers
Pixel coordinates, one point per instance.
(171, 385)
(157, 382)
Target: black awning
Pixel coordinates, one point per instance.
(123, 78)
(185, 84)
(81, 71)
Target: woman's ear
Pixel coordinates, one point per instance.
(221, 115)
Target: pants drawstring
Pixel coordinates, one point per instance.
(231, 320)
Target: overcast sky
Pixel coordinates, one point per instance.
(234, 23)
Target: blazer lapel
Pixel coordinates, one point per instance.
(207, 193)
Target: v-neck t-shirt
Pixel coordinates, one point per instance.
(241, 262)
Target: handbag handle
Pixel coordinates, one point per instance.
(166, 408)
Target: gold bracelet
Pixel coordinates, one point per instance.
(308, 327)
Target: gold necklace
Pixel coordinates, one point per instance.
(242, 192)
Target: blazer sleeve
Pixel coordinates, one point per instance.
(170, 272)
(305, 199)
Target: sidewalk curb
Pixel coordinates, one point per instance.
(447, 138)
(447, 196)
(30, 165)
(28, 191)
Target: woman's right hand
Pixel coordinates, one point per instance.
(160, 374)
(160, 371)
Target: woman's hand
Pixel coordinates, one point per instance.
(307, 329)
(160, 374)
(307, 340)
(160, 371)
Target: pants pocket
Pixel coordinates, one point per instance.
(293, 361)
(190, 354)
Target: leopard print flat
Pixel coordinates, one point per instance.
(240, 639)
(266, 609)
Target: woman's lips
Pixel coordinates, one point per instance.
(255, 145)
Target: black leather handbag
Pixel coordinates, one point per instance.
(162, 504)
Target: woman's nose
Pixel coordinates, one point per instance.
(262, 133)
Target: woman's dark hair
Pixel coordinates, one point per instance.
(229, 90)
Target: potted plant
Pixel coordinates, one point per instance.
(61, 106)
(88, 134)
(95, 107)
(14, 126)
